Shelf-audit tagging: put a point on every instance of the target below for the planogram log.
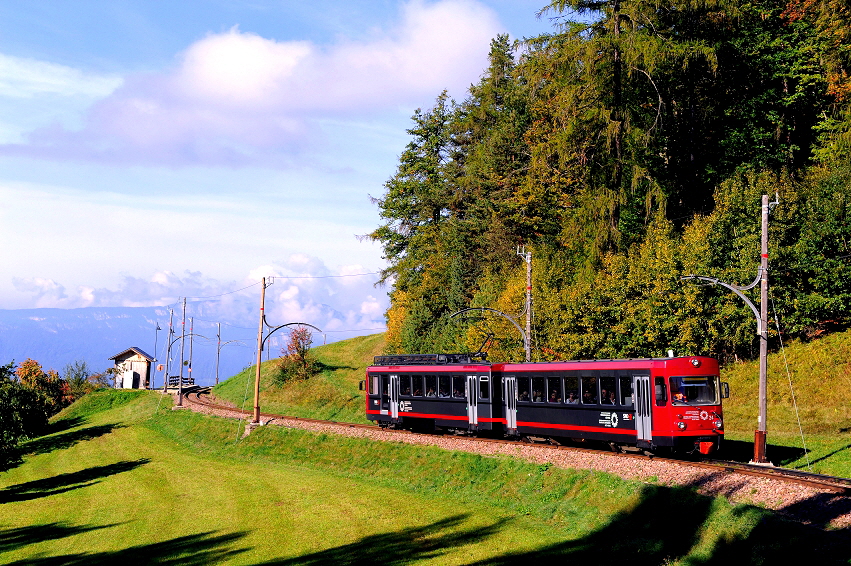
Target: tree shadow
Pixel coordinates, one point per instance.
(13, 539)
(60, 425)
(322, 366)
(398, 547)
(191, 550)
(670, 524)
(65, 482)
(742, 451)
(45, 444)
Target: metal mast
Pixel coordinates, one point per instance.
(259, 354)
(182, 344)
(762, 429)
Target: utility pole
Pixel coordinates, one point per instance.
(168, 350)
(761, 315)
(156, 336)
(182, 343)
(191, 343)
(218, 348)
(256, 419)
(762, 430)
(527, 343)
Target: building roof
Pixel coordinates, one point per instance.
(134, 350)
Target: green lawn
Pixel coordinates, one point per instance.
(121, 481)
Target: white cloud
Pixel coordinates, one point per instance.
(236, 98)
(25, 78)
(314, 296)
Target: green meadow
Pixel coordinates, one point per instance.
(122, 478)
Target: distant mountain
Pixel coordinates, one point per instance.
(56, 337)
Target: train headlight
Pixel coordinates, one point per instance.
(718, 423)
(695, 362)
(681, 425)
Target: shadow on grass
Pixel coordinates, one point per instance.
(65, 482)
(399, 547)
(826, 456)
(670, 524)
(322, 366)
(60, 425)
(13, 539)
(45, 444)
(742, 451)
(191, 550)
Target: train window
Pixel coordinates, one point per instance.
(538, 389)
(417, 385)
(385, 385)
(589, 390)
(694, 390)
(431, 386)
(405, 385)
(443, 386)
(523, 389)
(626, 391)
(483, 387)
(373, 390)
(608, 395)
(459, 387)
(661, 392)
(571, 389)
(554, 389)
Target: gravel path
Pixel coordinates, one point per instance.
(809, 505)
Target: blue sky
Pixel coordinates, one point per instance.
(157, 149)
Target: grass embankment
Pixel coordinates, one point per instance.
(120, 480)
(331, 395)
(821, 376)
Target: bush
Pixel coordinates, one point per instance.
(296, 364)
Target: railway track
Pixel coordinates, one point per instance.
(834, 485)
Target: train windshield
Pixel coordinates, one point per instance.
(694, 390)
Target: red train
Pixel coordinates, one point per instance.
(649, 404)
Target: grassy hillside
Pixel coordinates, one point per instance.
(331, 395)
(820, 373)
(122, 478)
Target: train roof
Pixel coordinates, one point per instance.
(479, 359)
(430, 359)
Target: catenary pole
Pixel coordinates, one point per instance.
(762, 423)
(168, 350)
(191, 346)
(259, 354)
(218, 348)
(182, 346)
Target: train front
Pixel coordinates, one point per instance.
(687, 411)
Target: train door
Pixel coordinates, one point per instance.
(510, 398)
(390, 395)
(394, 396)
(472, 400)
(643, 405)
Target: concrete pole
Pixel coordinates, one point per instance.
(191, 343)
(218, 348)
(528, 344)
(168, 350)
(259, 355)
(762, 429)
(182, 345)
